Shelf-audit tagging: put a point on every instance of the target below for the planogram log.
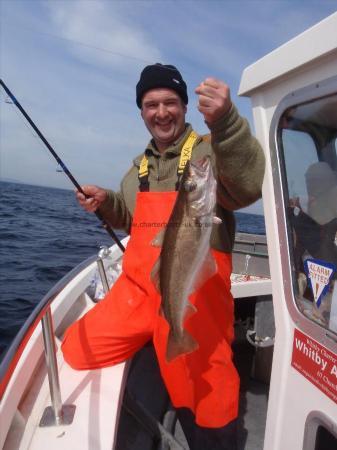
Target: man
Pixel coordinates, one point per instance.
(205, 382)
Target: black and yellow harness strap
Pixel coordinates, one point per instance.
(185, 155)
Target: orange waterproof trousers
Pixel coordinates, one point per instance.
(204, 381)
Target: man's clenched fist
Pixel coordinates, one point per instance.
(214, 99)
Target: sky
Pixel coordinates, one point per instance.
(73, 66)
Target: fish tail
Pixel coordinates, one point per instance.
(180, 346)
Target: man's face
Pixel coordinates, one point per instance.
(163, 112)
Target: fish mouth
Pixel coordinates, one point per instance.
(197, 174)
(200, 186)
(201, 165)
(199, 169)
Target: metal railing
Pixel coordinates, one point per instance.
(21, 339)
(56, 414)
(102, 254)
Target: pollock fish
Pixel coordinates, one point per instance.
(185, 261)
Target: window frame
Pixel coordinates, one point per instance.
(304, 95)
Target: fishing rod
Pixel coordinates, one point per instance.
(105, 225)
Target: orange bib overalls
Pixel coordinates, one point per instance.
(204, 381)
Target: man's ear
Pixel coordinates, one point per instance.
(141, 113)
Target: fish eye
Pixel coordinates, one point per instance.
(190, 186)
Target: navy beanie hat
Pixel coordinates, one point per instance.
(160, 76)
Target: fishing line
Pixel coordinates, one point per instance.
(106, 226)
(24, 122)
(83, 44)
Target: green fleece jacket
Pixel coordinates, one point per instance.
(238, 164)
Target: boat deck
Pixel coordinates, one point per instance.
(146, 389)
(98, 394)
(252, 418)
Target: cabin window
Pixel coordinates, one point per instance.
(307, 139)
(324, 439)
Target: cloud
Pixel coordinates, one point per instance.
(111, 39)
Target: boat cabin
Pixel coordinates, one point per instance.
(293, 91)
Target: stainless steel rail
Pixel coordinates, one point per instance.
(53, 376)
(20, 341)
(102, 254)
(57, 413)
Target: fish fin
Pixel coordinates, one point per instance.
(175, 348)
(159, 239)
(206, 271)
(190, 311)
(155, 275)
(217, 220)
